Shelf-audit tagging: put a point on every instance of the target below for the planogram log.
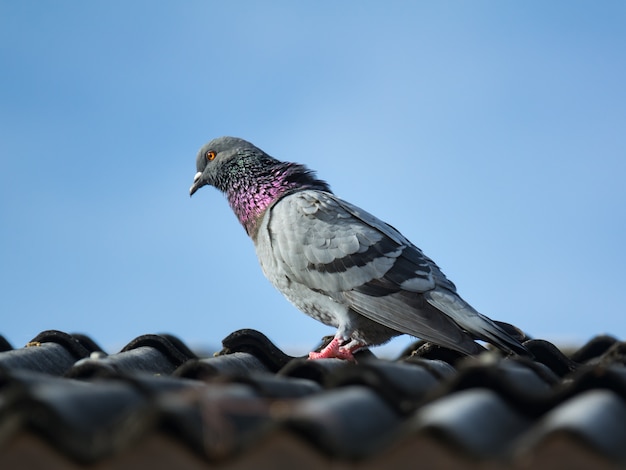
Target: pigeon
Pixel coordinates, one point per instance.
(338, 263)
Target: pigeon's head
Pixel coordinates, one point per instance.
(221, 158)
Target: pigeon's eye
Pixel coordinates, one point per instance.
(210, 155)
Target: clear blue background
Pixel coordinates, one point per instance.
(492, 134)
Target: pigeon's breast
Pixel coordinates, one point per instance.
(269, 249)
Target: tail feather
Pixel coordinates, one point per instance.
(482, 327)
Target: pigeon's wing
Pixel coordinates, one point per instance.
(442, 296)
(336, 248)
(326, 245)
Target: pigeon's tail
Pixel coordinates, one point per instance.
(494, 334)
(473, 322)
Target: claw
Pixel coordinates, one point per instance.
(334, 350)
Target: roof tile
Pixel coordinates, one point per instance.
(477, 420)
(594, 418)
(64, 398)
(351, 422)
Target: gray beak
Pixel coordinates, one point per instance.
(196, 184)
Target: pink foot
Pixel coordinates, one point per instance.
(333, 350)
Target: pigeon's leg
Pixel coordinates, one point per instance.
(336, 349)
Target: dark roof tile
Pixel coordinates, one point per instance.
(350, 422)
(148, 353)
(86, 342)
(616, 354)
(4, 344)
(593, 349)
(257, 344)
(425, 350)
(235, 364)
(509, 377)
(70, 343)
(439, 368)
(477, 421)
(594, 418)
(168, 345)
(275, 386)
(403, 385)
(610, 377)
(216, 421)
(85, 420)
(549, 355)
(253, 404)
(318, 370)
(51, 358)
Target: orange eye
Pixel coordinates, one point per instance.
(210, 155)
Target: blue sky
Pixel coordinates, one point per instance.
(492, 134)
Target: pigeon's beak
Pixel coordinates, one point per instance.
(197, 184)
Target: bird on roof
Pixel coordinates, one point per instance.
(338, 263)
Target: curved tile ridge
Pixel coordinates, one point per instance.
(234, 364)
(255, 343)
(4, 344)
(351, 422)
(440, 369)
(50, 352)
(402, 385)
(178, 344)
(318, 370)
(432, 351)
(147, 353)
(278, 387)
(175, 350)
(552, 357)
(87, 342)
(594, 348)
(476, 421)
(609, 377)
(616, 354)
(71, 344)
(594, 418)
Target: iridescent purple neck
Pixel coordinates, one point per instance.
(250, 196)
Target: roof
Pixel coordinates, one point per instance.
(64, 403)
